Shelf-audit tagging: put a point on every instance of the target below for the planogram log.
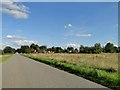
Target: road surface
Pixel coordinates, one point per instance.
(22, 72)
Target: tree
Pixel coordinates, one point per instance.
(49, 49)
(19, 50)
(87, 50)
(9, 50)
(81, 50)
(116, 49)
(33, 46)
(43, 48)
(1, 52)
(119, 49)
(25, 49)
(70, 49)
(37, 48)
(65, 50)
(58, 50)
(109, 48)
(97, 48)
(76, 50)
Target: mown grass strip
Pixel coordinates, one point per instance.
(5, 57)
(109, 79)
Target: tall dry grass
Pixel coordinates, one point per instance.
(104, 60)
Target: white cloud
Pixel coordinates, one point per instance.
(23, 42)
(68, 26)
(116, 45)
(14, 9)
(73, 45)
(17, 44)
(79, 35)
(13, 37)
(3, 45)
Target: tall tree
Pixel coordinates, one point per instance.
(70, 49)
(87, 49)
(9, 50)
(43, 48)
(58, 50)
(81, 49)
(37, 48)
(33, 46)
(97, 48)
(109, 48)
(25, 49)
(76, 50)
(118, 49)
(1, 52)
(19, 50)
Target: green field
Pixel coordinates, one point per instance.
(4, 57)
(100, 68)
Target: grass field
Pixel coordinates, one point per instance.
(100, 68)
(4, 57)
(102, 61)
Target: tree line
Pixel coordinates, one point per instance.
(34, 48)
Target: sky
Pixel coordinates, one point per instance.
(59, 24)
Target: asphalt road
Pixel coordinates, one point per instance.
(22, 72)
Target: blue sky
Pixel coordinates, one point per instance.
(59, 24)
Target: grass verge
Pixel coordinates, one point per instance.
(5, 57)
(109, 79)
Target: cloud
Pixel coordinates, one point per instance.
(16, 44)
(73, 45)
(19, 11)
(116, 45)
(3, 45)
(68, 26)
(23, 42)
(13, 37)
(76, 32)
(79, 35)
